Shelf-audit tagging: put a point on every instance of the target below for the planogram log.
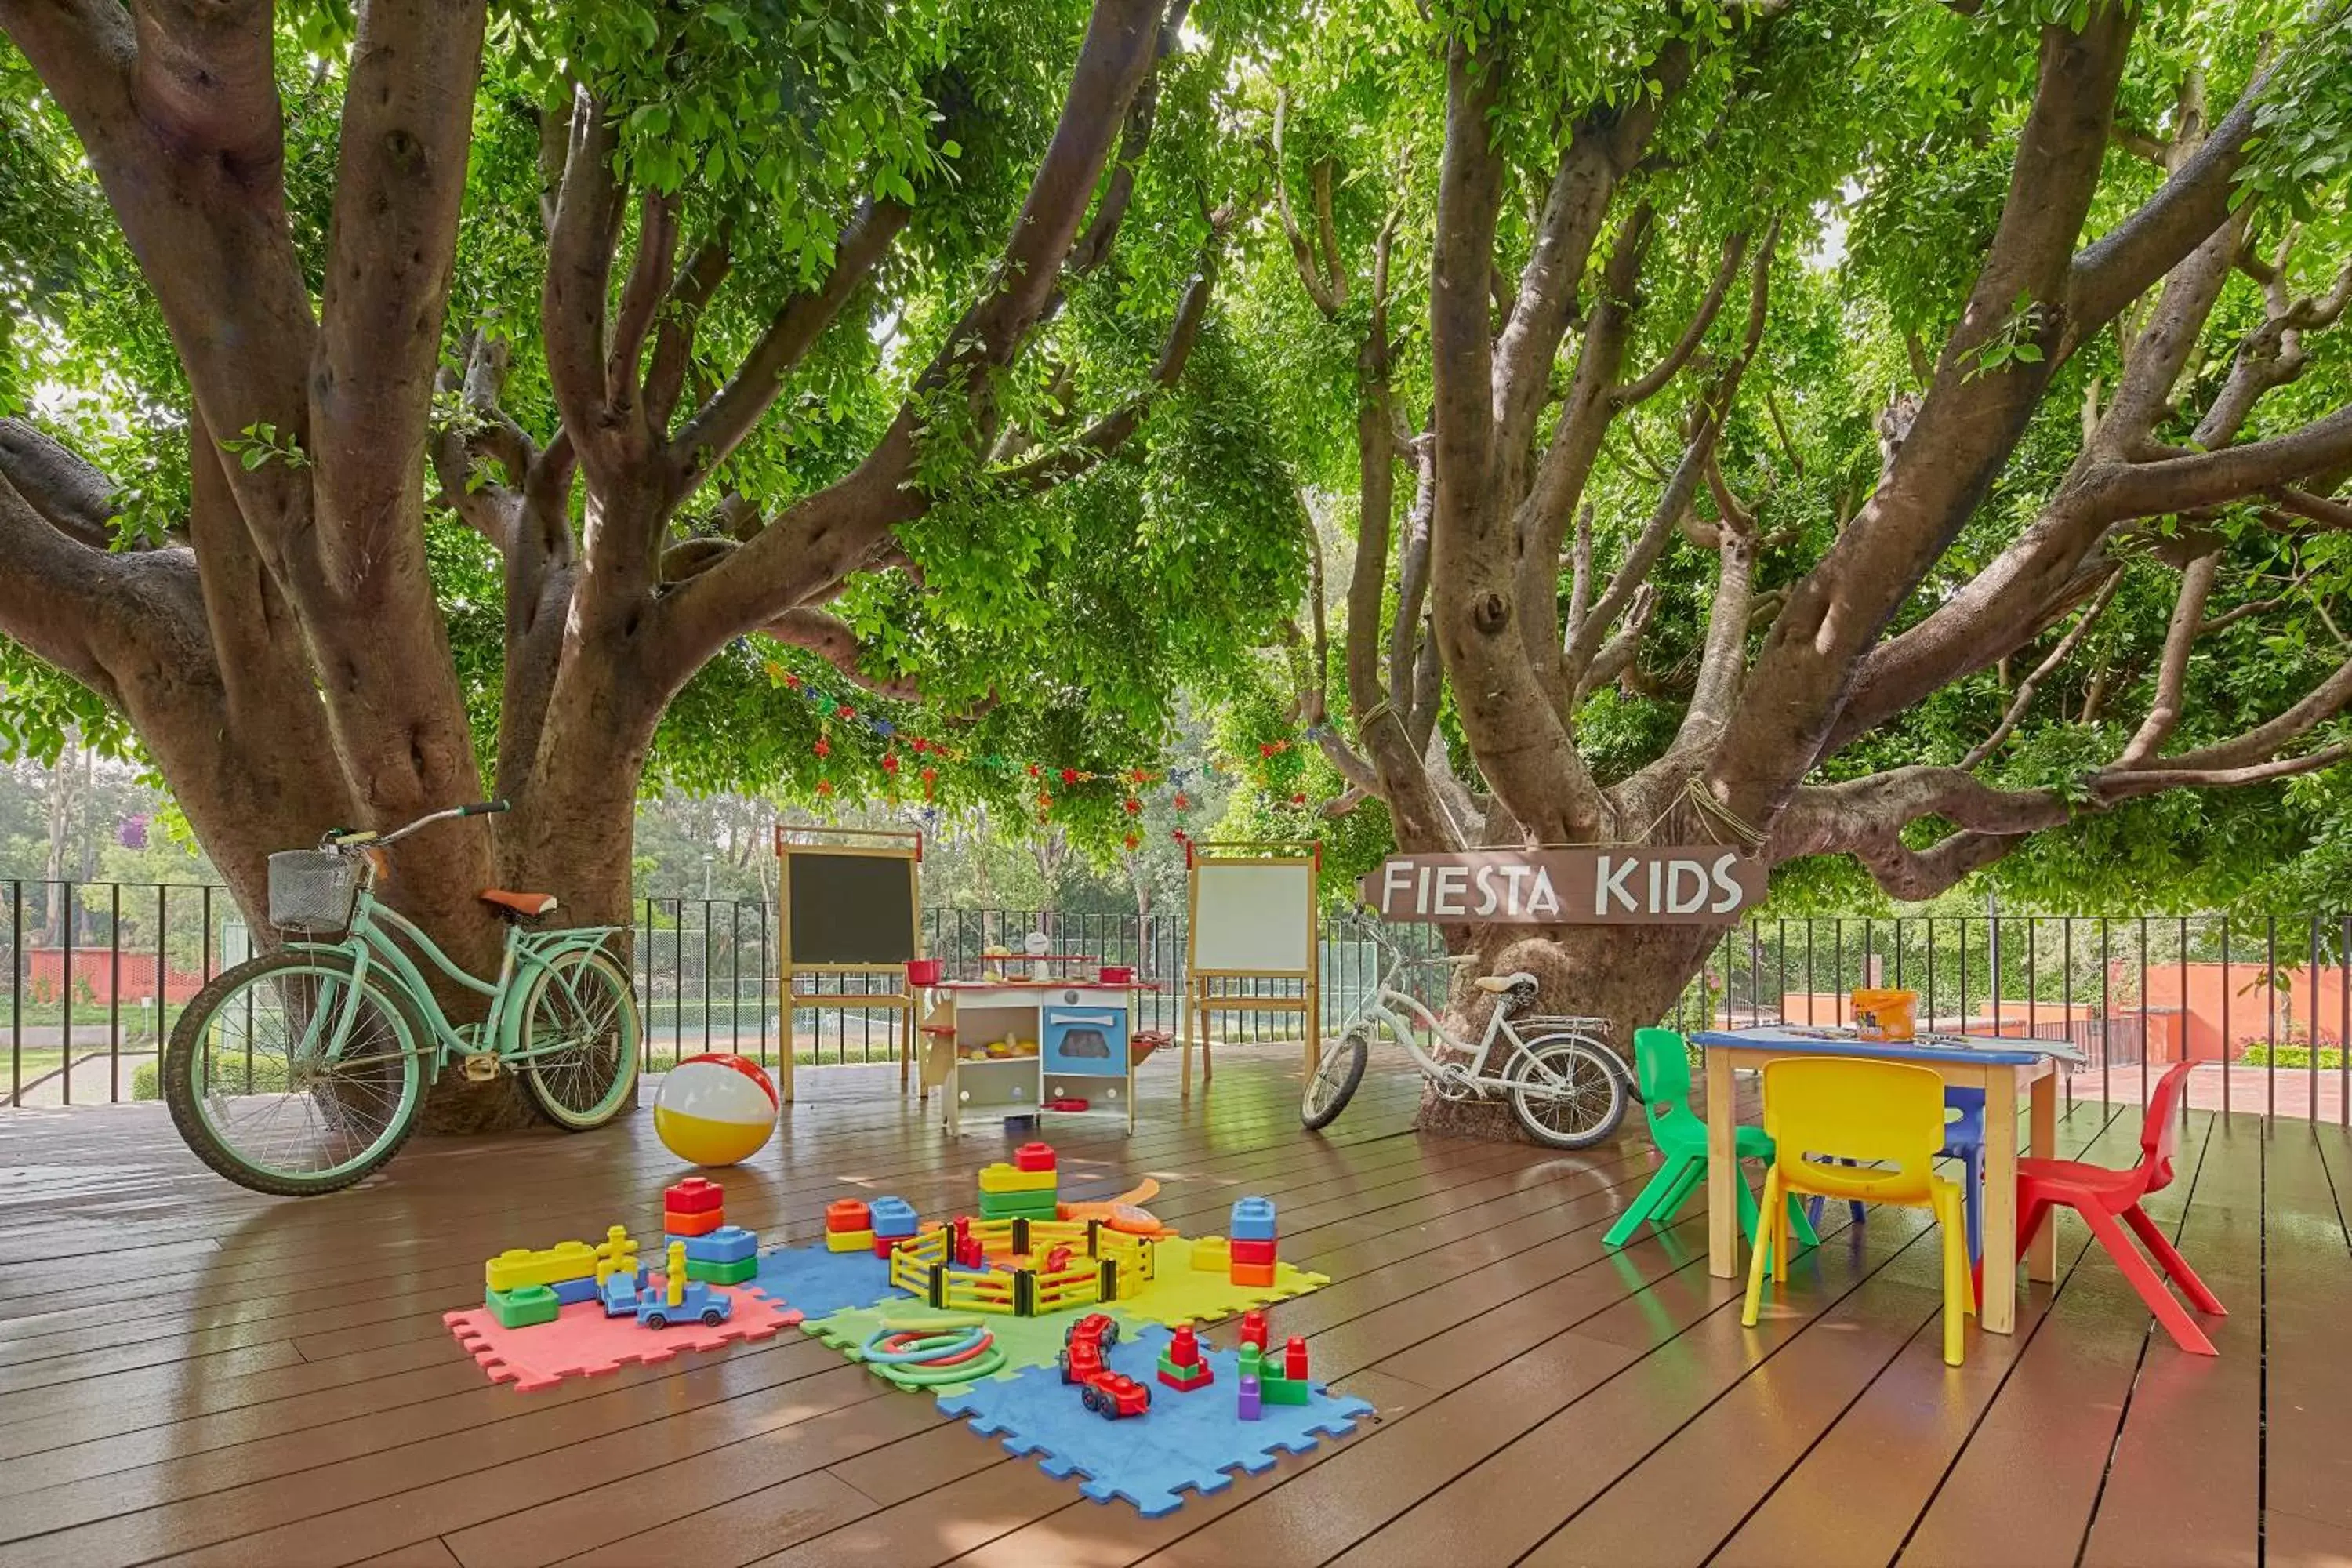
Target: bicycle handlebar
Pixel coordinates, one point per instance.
(340, 837)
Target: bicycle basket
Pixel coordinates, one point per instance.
(311, 891)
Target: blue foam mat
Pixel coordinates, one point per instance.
(1186, 1442)
(817, 1282)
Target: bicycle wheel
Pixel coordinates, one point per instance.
(1335, 1079)
(287, 1076)
(581, 1037)
(1568, 1092)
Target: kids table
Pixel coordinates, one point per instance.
(2002, 1067)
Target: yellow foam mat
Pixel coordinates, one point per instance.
(1182, 1294)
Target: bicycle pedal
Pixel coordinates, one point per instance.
(481, 1067)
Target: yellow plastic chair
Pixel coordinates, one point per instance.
(1882, 1114)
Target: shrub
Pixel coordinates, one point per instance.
(2290, 1057)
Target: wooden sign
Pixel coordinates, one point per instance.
(1620, 885)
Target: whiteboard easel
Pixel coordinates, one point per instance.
(1250, 915)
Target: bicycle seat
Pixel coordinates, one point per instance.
(520, 903)
(1500, 984)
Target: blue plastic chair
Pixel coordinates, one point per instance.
(1964, 1140)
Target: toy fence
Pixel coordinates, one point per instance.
(1117, 1265)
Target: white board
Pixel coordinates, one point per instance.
(1250, 915)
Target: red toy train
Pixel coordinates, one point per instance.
(1107, 1393)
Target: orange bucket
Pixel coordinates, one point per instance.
(1885, 1015)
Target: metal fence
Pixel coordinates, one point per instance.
(97, 973)
(2267, 1000)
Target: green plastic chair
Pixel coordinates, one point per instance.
(1662, 1066)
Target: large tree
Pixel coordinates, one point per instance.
(1717, 390)
(847, 325)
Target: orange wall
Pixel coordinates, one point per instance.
(2201, 991)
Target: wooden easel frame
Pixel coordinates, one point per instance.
(1201, 996)
(881, 843)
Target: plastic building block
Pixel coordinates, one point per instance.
(1243, 1249)
(1251, 1406)
(849, 1240)
(884, 1244)
(1018, 1206)
(728, 1244)
(689, 1225)
(1254, 1329)
(1181, 1366)
(1285, 1390)
(1184, 1448)
(695, 1194)
(1033, 1157)
(1004, 1178)
(1211, 1254)
(848, 1214)
(1253, 1220)
(570, 1292)
(738, 1271)
(524, 1307)
(1259, 1275)
(893, 1217)
(517, 1266)
(1294, 1358)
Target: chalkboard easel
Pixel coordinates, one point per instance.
(849, 901)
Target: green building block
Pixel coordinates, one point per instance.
(524, 1307)
(736, 1273)
(1018, 1206)
(1283, 1390)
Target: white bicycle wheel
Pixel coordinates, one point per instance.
(1334, 1081)
(1567, 1091)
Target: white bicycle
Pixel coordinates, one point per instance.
(1567, 1088)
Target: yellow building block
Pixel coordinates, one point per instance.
(517, 1266)
(1211, 1254)
(849, 1241)
(1004, 1178)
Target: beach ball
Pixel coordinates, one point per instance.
(715, 1109)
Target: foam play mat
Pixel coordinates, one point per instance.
(1023, 1342)
(818, 1282)
(582, 1341)
(1180, 1293)
(1185, 1443)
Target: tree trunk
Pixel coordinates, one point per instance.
(1628, 976)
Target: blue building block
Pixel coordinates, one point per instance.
(893, 1217)
(569, 1292)
(728, 1244)
(1183, 1446)
(1253, 1220)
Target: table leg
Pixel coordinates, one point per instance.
(2041, 1257)
(1997, 1310)
(1722, 1168)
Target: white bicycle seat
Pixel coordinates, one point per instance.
(1498, 983)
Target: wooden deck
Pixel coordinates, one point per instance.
(191, 1374)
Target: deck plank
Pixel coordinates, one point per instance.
(260, 1383)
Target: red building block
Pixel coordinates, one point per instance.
(701, 1223)
(1184, 1349)
(1033, 1157)
(883, 1244)
(847, 1214)
(1254, 1329)
(695, 1194)
(1242, 1251)
(1294, 1359)
(1181, 1366)
(1260, 1275)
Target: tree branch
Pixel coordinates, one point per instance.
(66, 492)
(2172, 670)
(830, 637)
(1302, 255)
(650, 276)
(720, 424)
(1644, 387)
(2022, 700)
(579, 276)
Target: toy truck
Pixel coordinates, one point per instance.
(1115, 1396)
(1083, 1345)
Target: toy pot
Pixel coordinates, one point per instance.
(1117, 974)
(923, 971)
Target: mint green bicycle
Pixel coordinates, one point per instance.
(301, 1070)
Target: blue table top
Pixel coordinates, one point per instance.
(1799, 1039)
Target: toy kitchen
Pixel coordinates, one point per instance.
(1038, 1034)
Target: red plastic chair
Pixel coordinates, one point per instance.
(2102, 1196)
